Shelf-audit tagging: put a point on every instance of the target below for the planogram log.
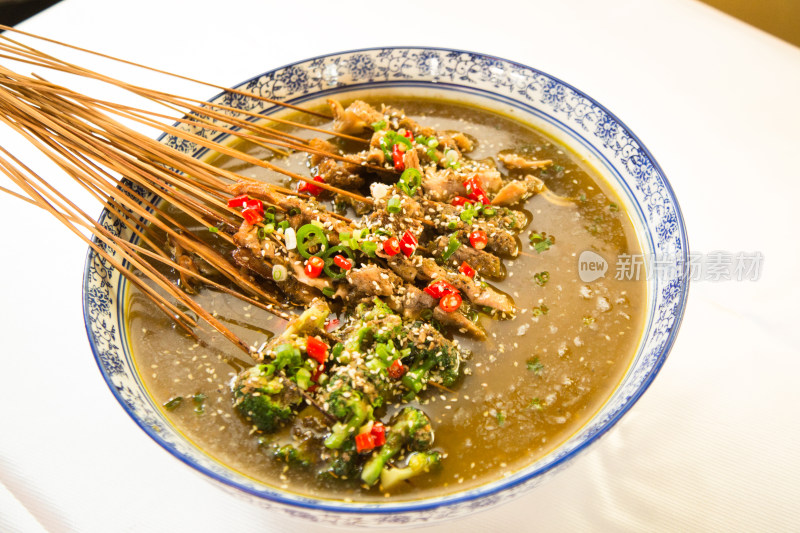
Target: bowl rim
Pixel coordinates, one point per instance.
(490, 488)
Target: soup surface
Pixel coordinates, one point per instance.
(534, 381)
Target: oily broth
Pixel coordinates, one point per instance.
(503, 415)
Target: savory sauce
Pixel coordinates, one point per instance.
(535, 380)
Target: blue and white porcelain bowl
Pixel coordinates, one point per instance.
(553, 106)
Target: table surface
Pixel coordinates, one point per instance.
(712, 445)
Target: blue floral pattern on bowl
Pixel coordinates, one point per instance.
(539, 97)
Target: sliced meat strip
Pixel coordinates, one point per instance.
(370, 281)
(486, 264)
(514, 161)
(518, 190)
(475, 292)
(356, 118)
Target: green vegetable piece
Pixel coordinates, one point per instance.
(410, 180)
(453, 245)
(328, 256)
(468, 212)
(357, 411)
(310, 236)
(369, 248)
(412, 427)
(393, 206)
(542, 278)
(199, 403)
(534, 365)
(379, 125)
(173, 403)
(418, 463)
(265, 400)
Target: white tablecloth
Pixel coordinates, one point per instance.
(711, 446)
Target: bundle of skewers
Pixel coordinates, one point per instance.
(427, 238)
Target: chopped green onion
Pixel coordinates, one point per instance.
(369, 248)
(379, 125)
(308, 237)
(452, 246)
(386, 146)
(489, 212)
(283, 225)
(394, 205)
(269, 214)
(279, 273)
(451, 158)
(327, 291)
(468, 212)
(303, 378)
(542, 278)
(453, 224)
(213, 229)
(336, 351)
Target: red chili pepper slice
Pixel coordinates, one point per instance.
(467, 270)
(364, 442)
(238, 201)
(458, 201)
(343, 262)
(314, 266)
(316, 349)
(475, 191)
(478, 239)
(450, 302)
(378, 434)
(391, 246)
(253, 215)
(396, 369)
(252, 203)
(310, 188)
(408, 243)
(397, 158)
(440, 288)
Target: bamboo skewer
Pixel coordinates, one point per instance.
(99, 54)
(89, 140)
(37, 58)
